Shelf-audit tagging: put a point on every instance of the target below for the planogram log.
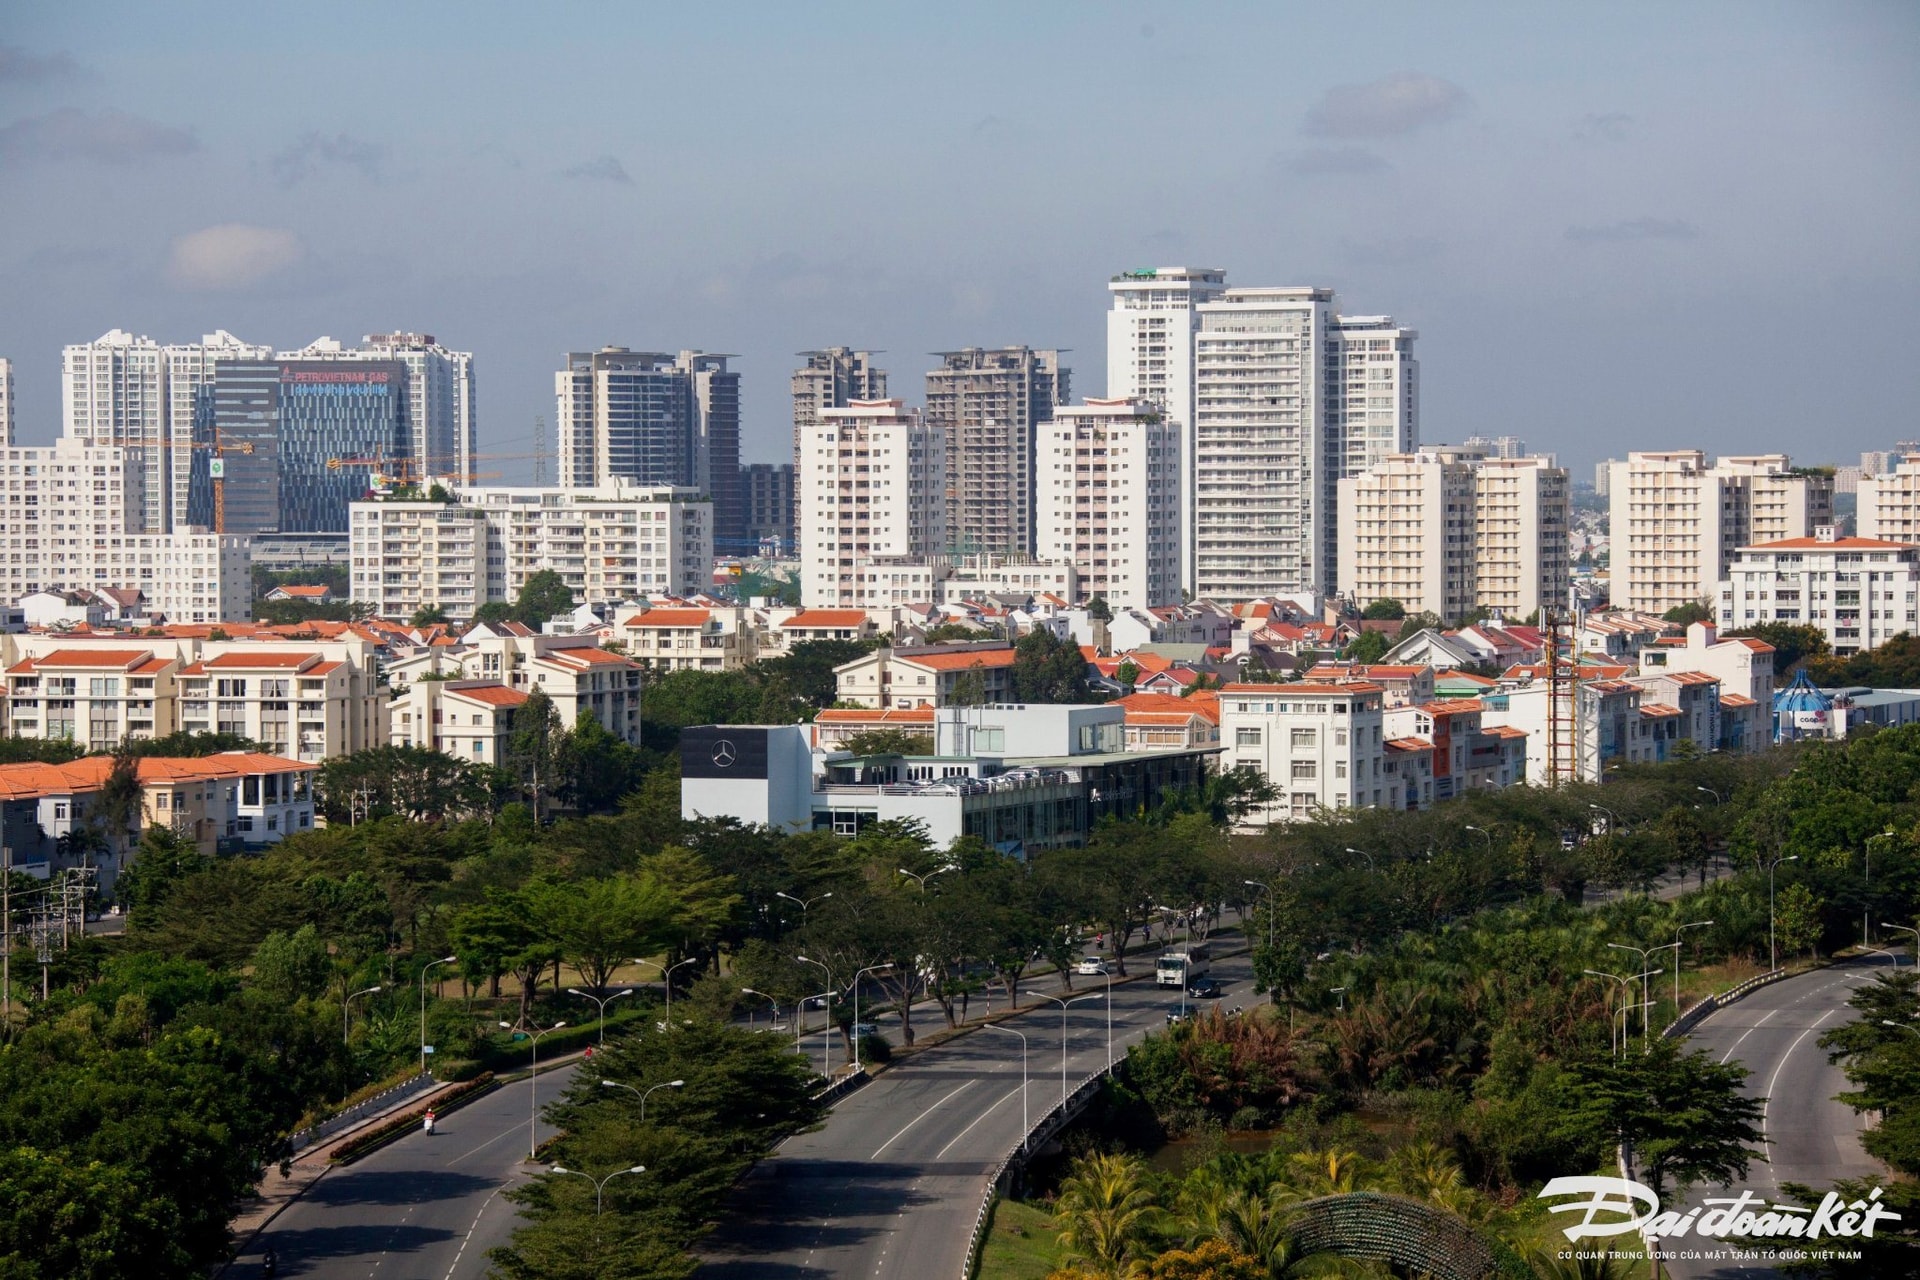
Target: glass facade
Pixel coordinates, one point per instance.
(315, 428)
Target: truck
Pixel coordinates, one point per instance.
(1178, 968)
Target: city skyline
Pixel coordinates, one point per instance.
(1580, 216)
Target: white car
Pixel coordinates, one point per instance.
(1091, 967)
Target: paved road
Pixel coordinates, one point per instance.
(1810, 1138)
(420, 1209)
(888, 1188)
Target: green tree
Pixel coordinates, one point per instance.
(161, 860)
(416, 783)
(289, 967)
(1099, 610)
(1106, 1215)
(969, 688)
(544, 596)
(1386, 607)
(884, 742)
(953, 631)
(1791, 643)
(1687, 614)
(38, 751)
(534, 750)
(427, 615)
(494, 611)
(1798, 919)
(185, 743)
(1682, 1112)
(1048, 669)
(1368, 646)
(599, 924)
(598, 768)
(1880, 1053)
(808, 667)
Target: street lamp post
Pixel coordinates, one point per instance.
(921, 880)
(1899, 1026)
(668, 1084)
(749, 991)
(1613, 819)
(1613, 1041)
(533, 1083)
(603, 1002)
(1341, 992)
(1903, 929)
(1026, 1124)
(804, 903)
(1675, 944)
(1363, 853)
(1773, 951)
(666, 980)
(1866, 939)
(1063, 1033)
(1483, 831)
(872, 968)
(1710, 791)
(423, 1009)
(826, 1030)
(348, 1004)
(1642, 952)
(1268, 890)
(599, 1184)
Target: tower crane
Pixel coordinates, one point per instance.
(217, 472)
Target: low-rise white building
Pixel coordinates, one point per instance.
(612, 542)
(467, 719)
(929, 677)
(1857, 592)
(1319, 746)
(672, 638)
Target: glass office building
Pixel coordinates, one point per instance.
(299, 440)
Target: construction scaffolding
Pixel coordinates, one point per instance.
(1563, 696)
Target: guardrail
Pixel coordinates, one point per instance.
(844, 1085)
(1694, 1016)
(1056, 1118)
(333, 1124)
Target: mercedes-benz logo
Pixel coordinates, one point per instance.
(723, 753)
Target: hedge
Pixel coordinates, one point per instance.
(380, 1135)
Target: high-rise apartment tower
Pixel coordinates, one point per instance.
(989, 403)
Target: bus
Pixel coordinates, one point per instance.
(1178, 968)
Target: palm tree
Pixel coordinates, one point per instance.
(1106, 1215)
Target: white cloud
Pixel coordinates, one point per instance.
(109, 137)
(231, 256)
(1400, 103)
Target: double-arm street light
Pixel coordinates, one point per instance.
(872, 968)
(348, 1004)
(666, 980)
(1626, 984)
(603, 1002)
(1645, 1001)
(826, 1031)
(643, 1096)
(921, 880)
(423, 1009)
(599, 1184)
(1098, 995)
(533, 1082)
(1675, 944)
(1773, 951)
(1026, 1124)
(803, 903)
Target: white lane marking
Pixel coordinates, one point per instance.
(941, 1153)
(468, 1239)
(1744, 1034)
(917, 1119)
(1765, 1140)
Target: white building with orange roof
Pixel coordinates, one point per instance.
(467, 719)
(1744, 667)
(683, 638)
(927, 677)
(592, 681)
(294, 702)
(1320, 746)
(788, 628)
(1163, 721)
(1404, 685)
(228, 801)
(93, 696)
(834, 727)
(1857, 592)
(1606, 728)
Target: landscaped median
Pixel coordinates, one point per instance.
(404, 1122)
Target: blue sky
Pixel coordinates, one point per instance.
(1619, 226)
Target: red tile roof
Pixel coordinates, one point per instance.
(986, 658)
(306, 592)
(1830, 544)
(586, 656)
(1736, 700)
(827, 618)
(122, 658)
(871, 715)
(670, 618)
(263, 661)
(494, 695)
(1656, 710)
(1409, 744)
(1301, 688)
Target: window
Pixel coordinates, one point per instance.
(1305, 770)
(1304, 738)
(1246, 737)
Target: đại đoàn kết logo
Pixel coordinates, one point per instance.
(1615, 1206)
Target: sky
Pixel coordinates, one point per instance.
(1614, 226)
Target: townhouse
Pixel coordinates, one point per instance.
(930, 677)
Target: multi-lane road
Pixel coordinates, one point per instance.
(423, 1208)
(1810, 1139)
(889, 1186)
